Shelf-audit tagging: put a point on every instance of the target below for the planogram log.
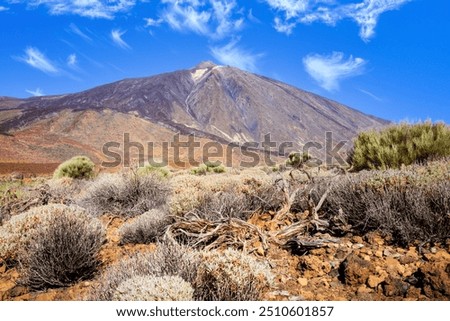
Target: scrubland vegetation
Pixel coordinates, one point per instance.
(212, 235)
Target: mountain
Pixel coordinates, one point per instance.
(216, 103)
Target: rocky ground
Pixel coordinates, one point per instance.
(348, 268)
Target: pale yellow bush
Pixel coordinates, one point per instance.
(231, 275)
(189, 190)
(16, 234)
(154, 288)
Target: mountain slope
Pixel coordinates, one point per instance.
(217, 103)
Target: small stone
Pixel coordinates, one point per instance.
(358, 246)
(379, 253)
(302, 281)
(363, 290)
(408, 259)
(374, 280)
(433, 250)
(366, 258)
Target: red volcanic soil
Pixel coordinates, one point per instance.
(28, 169)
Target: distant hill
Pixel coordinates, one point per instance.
(216, 103)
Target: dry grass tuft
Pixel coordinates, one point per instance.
(126, 195)
(146, 228)
(62, 251)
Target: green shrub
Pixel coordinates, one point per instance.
(211, 164)
(154, 288)
(218, 169)
(209, 167)
(79, 167)
(399, 145)
(151, 169)
(63, 251)
(297, 160)
(201, 170)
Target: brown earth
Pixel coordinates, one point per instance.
(350, 268)
(28, 169)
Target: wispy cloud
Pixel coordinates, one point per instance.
(116, 36)
(38, 60)
(290, 8)
(2, 8)
(215, 19)
(72, 60)
(150, 22)
(329, 70)
(284, 26)
(73, 28)
(373, 96)
(230, 54)
(365, 13)
(86, 8)
(37, 92)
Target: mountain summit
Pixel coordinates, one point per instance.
(218, 103)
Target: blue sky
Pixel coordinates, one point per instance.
(389, 58)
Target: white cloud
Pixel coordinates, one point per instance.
(186, 15)
(87, 8)
(372, 95)
(2, 8)
(222, 12)
(290, 8)
(72, 60)
(284, 26)
(329, 70)
(73, 27)
(150, 22)
(38, 60)
(365, 13)
(37, 93)
(232, 55)
(215, 19)
(116, 36)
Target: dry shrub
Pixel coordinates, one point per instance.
(231, 276)
(16, 234)
(189, 189)
(125, 195)
(154, 288)
(66, 190)
(64, 250)
(227, 195)
(395, 203)
(146, 228)
(203, 234)
(169, 259)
